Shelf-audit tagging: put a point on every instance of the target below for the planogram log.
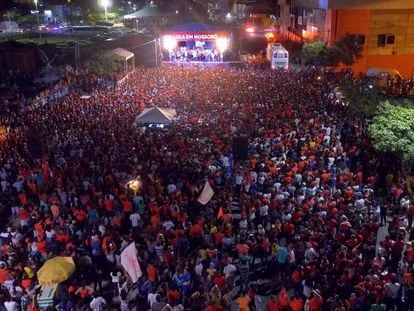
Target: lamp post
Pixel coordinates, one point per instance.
(37, 18)
(105, 4)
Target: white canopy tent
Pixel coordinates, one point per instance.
(9, 27)
(156, 115)
(148, 11)
(125, 55)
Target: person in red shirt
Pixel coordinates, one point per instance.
(173, 295)
(41, 246)
(79, 214)
(196, 230)
(296, 304)
(152, 272)
(272, 304)
(283, 299)
(127, 207)
(4, 273)
(242, 248)
(108, 204)
(219, 280)
(314, 303)
(218, 238)
(23, 216)
(213, 306)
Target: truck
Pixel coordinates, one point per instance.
(277, 56)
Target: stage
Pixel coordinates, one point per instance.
(203, 64)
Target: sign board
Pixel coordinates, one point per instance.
(195, 36)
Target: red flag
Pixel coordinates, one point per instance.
(220, 213)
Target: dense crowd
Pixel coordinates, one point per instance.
(308, 216)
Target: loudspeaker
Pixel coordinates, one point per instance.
(240, 148)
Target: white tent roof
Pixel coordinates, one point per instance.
(9, 25)
(156, 115)
(125, 54)
(148, 11)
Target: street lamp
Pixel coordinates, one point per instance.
(37, 18)
(105, 4)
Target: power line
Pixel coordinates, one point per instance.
(146, 43)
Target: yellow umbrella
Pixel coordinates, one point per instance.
(55, 270)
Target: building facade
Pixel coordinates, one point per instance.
(383, 28)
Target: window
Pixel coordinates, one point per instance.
(384, 39)
(390, 39)
(360, 40)
(381, 40)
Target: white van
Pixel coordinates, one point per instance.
(382, 74)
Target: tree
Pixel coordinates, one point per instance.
(314, 54)
(392, 130)
(104, 64)
(346, 50)
(362, 97)
(24, 20)
(100, 16)
(294, 48)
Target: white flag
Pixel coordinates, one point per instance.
(206, 194)
(129, 262)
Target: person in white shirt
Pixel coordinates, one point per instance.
(115, 277)
(135, 219)
(392, 292)
(225, 161)
(18, 184)
(405, 203)
(98, 303)
(4, 184)
(310, 254)
(230, 273)
(198, 269)
(238, 177)
(168, 225)
(253, 176)
(243, 224)
(264, 210)
(291, 257)
(11, 305)
(152, 297)
(171, 188)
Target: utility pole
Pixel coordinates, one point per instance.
(70, 13)
(156, 63)
(37, 18)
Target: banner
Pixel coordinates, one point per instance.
(206, 194)
(195, 36)
(129, 262)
